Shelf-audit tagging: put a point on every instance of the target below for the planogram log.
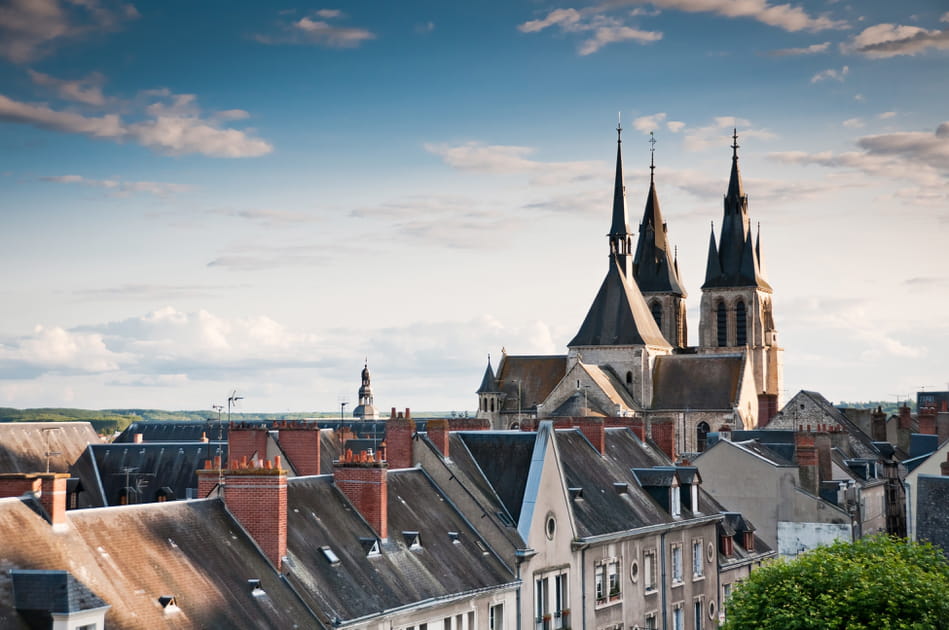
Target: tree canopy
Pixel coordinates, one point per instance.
(881, 583)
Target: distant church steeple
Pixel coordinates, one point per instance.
(739, 263)
(365, 410)
(655, 269)
(621, 239)
(736, 314)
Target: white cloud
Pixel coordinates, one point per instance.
(604, 29)
(507, 159)
(719, 133)
(930, 149)
(31, 29)
(319, 32)
(831, 73)
(54, 348)
(813, 49)
(890, 40)
(675, 126)
(885, 115)
(173, 125)
(87, 91)
(120, 187)
(649, 123)
(852, 123)
(783, 16)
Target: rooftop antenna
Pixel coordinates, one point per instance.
(232, 402)
(50, 453)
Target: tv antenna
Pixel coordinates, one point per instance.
(50, 453)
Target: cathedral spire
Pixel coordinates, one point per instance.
(713, 268)
(738, 256)
(620, 236)
(489, 384)
(653, 265)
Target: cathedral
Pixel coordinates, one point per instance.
(630, 362)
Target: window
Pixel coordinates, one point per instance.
(561, 607)
(599, 582)
(542, 602)
(496, 617)
(650, 622)
(447, 623)
(697, 610)
(649, 570)
(676, 562)
(678, 618)
(726, 594)
(727, 546)
(741, 324)
(697, 564)
(629, 378)
(612, 571)
(701, 436)
(721, 324)
(656, 309)
(675, 501)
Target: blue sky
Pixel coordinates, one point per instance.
(198, 197)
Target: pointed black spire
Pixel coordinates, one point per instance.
(713, 268)
(620, 237)
(734, 245)
(653, 266)
(489, 383)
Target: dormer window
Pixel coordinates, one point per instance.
(412, 540)
(371, 546)
(750, 541)
(675, 501)
(728, 548)
(694, 489)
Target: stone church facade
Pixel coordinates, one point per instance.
(630, 361)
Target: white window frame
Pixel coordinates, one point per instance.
(676, 562)
(698, 562)
(649, 571)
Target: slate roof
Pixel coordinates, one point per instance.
(153, 467)
(697, 381)
(359, 585)
(861, 444)
(503, 458)
(174, 431)
(130, 556)
(932, 510)
(654, 268)
(52, 592)
(537, 374)
(618, 316)
(23, 445)
(604, 507)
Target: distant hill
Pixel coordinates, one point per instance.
(108, 421)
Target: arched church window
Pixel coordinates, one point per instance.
(629, 378)
(656, 309)
(741, 324)
(701, 436)
(492, 404)
(721, 323)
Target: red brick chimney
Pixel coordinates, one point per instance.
(905, 417)
(878, 425)
(53, 497)
(301, 443)
(594, 429)
(363, 480)
(49, 488)
(245, 440)
(437, 429)
(662, 432)
(927, 420)
(805, 449)
(399, 431)
(257, 497)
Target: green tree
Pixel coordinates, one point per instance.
(877, 583)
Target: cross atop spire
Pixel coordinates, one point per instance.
(735, 144)
(652, 157)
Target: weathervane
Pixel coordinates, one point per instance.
(652, 155)
(619, 126)
(735, 144)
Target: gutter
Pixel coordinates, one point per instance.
(583, 543)
(432, 601)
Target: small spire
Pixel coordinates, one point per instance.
(619, 133)
(735, 144)
(652, 157)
